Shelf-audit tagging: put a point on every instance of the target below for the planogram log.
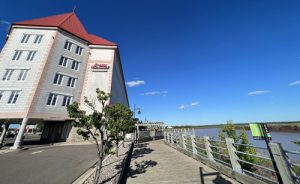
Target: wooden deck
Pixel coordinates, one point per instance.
(154, 162)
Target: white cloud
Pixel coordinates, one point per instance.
(295, 83)
(260, 92)
(4, 22)
(182, 107)
(193, 104)
(151, 93)
(135, 83)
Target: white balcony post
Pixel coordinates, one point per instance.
(19, 139)
(4, 131)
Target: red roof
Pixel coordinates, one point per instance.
(68, 22)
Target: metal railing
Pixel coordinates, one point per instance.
(229, 154)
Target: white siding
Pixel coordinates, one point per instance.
(52, 68)
(27, 86)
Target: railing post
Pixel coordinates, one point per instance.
(282, 163)
(193, 144)
(208, 149)
(183, 141)
(233, 157)
(172, 137)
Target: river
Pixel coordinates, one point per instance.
(285, 138)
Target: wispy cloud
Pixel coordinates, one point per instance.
(182, 107)
(5, 23)
(294, 83)
(135, 83)
(193, 104)
(260, 92)
(152, 93)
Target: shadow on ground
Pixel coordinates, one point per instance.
(140, 167)
(140, 150)
(218, 179)
(135, 168)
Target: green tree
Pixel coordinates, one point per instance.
(93, 125)
(246, 149)
(119, 118)
(229, 130)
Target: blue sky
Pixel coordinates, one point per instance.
(195, 62)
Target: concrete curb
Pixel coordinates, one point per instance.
(126, 161)
(84, 176)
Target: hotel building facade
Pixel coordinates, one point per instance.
(48, 63)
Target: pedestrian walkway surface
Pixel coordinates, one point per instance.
(154, 162)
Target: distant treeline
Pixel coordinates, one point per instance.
(273, 126)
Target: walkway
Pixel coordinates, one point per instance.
(154, 162)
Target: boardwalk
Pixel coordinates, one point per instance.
(154, 162)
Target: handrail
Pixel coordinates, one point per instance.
(249, 145)
(219, 147)
(258, 175)
(292, 152)
(216, 140)
(254, 155)
(225, 163)
(220, 154)
(263, 167)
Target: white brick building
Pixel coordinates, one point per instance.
(47, 63)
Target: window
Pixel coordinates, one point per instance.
(66, 101)
(13, 97)
(63, 61)
(38, 39)
(22, 74)
(30, 55)
(75, 65)
(25, 38)
(52, 99)
(78, 50)
(58, 79)
(71, 82)
(68, 46)
(8, 74)
(1, 95)
(17, 55)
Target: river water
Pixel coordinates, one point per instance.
(285, 138)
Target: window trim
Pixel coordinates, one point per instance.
(77, 63)
(25, 38)
(65, 100)
(23, 74)
(38, 38)
(17, 55)
(54, 96)
(14, 95)
(58, 79)
(71, 45)
(66, 61)
(8, 74)
(30, 55)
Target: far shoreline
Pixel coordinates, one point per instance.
(292, 126)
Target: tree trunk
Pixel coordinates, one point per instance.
(117, 148)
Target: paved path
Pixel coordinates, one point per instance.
(52, 164)
(154, 162)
